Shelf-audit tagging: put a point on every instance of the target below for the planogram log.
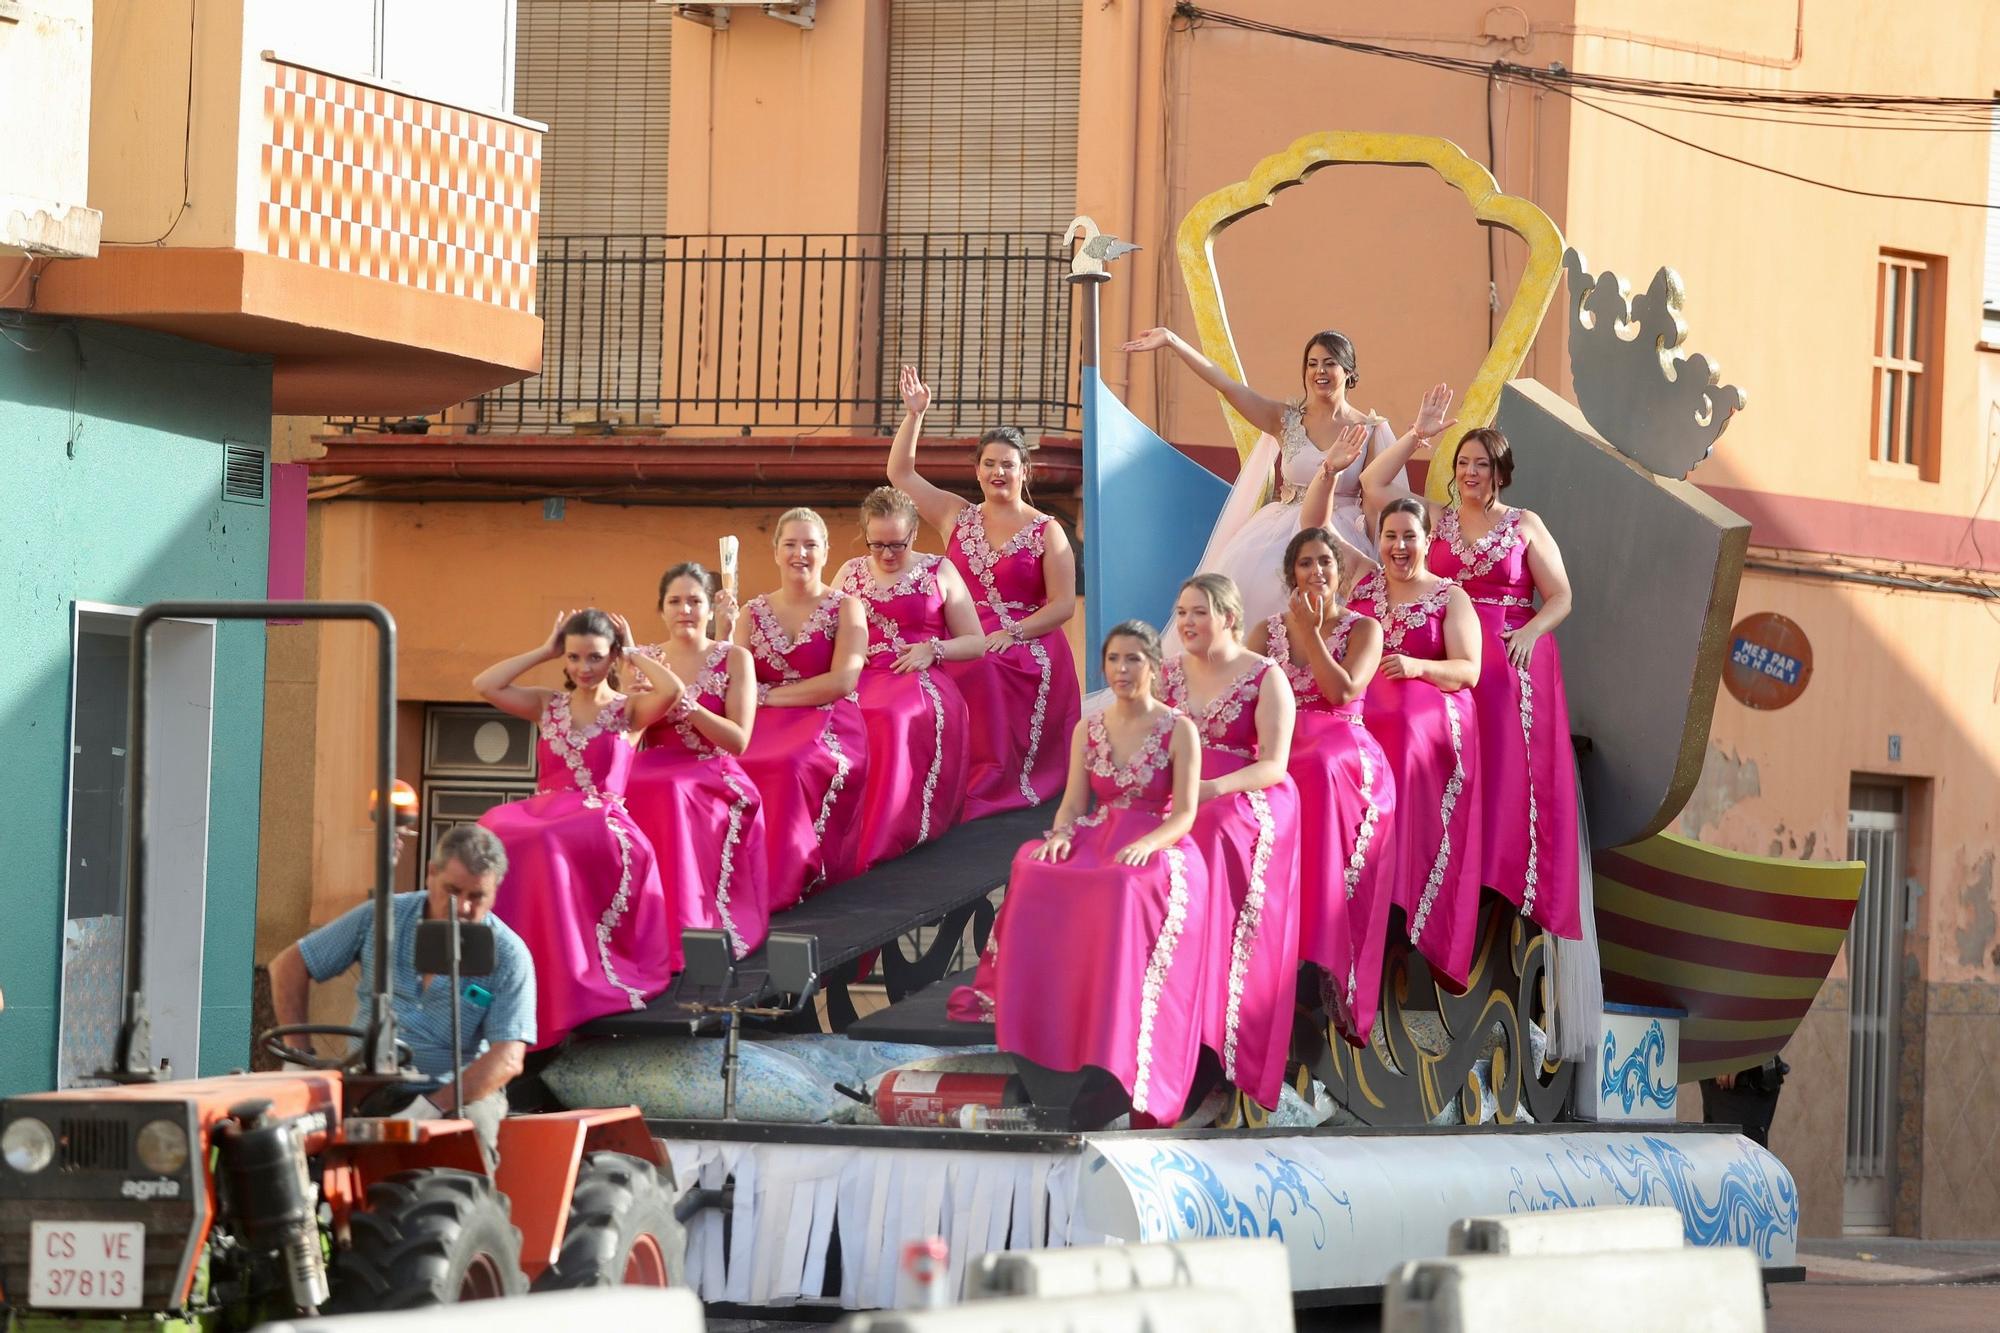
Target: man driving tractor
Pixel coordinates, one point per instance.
(497, 1011)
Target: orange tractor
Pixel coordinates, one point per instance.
(219, 1203)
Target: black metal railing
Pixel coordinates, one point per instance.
(797, 332)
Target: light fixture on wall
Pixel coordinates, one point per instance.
(716, 13)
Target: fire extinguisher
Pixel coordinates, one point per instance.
(928, 1097)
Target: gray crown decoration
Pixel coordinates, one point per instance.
(1660, 409)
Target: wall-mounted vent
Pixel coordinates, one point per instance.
(243, 473)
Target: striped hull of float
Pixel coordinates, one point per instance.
(1741, 943)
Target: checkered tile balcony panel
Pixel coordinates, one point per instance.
(366, 181)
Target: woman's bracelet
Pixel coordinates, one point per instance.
(684, 707)
(763, 691)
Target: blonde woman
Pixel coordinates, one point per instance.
(809, 750)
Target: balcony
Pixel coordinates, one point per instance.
(791, 335)
(378, 245)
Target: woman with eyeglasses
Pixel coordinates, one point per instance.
(919, 617)
(1021, 571)
(808, 752)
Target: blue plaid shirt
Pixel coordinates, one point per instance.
(501, 1008)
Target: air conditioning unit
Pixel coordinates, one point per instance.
(716, 13)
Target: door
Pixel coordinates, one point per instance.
(1876, 834)
(93, 944)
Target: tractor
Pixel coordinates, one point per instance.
(220, 1203)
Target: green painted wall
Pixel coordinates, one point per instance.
(111, 491)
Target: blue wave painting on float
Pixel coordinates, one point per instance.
(1147, 512)
(1180, 1197)
(1756, 1203)
(1631, 1082)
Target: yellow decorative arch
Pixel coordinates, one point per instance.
(1195, 245)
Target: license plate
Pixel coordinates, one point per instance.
(87, 1265)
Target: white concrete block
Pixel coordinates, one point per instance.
(654, 1309)
(1695, 1290)
(1568, 1231)
(1257, 1271)
(1165, 1310)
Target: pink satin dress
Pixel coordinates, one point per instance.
(1347, 806)
(1527, 789)
(1028, 696)
(809, 763)
(703, 816)
(916, 720)
(581, 888)
(1431, 738)
(1102, 964)
(1250, 841)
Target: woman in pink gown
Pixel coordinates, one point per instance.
(919, 617)
(582, 889)
(808, 753)
(1347, 795)
(1247, 829)
(1504, 558)
(1100, 955)
(1420, 707)
(688, 790)
(1022, 573)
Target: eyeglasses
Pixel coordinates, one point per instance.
(888, 548)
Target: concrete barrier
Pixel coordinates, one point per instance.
(1694, 1290)
(1159, 1310)
(1568, 1231)
(654, 1309)
(1256, 1271)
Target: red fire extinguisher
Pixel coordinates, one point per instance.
(931, 1098)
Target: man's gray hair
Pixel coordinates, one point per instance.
(472, 846)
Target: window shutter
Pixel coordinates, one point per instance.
(981, 181)
(596, 73)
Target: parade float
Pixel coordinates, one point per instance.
(1526, 1092)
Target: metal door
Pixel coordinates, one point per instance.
(1875, 834)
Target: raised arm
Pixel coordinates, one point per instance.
(939, 507)
(1277, 710)
(1545, 563)
(496, 683)
(1075, 802)
(1383, 479)
(1266, 414)
(850, 645)
(1317, 509)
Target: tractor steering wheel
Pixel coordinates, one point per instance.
(274, 1045)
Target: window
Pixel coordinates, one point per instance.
(459, 52)
(1908, 301)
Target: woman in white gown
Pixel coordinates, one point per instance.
(1318, 438)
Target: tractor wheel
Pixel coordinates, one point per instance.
(431, 1237)
(622, 1230)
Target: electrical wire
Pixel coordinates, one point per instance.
(1809, 108)
(187, 147)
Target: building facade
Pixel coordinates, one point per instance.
(211, 212)
(880, 186)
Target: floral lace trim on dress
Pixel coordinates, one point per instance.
(1215, 718)
(1478, 558)
(1278, 644)
(739, 806)
(1399, 619)
(771, 645)
(921, 578)
(980, 557)
(1447, 804)
(1244, 942)
(558, 728)
(1159, 964)
(1136, 773)
(1526, 687)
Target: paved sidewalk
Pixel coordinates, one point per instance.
(1878, 1260)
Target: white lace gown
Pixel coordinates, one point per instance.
(1249, 540)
